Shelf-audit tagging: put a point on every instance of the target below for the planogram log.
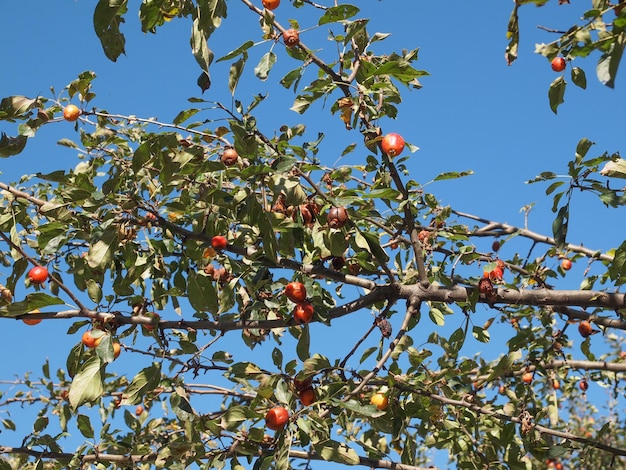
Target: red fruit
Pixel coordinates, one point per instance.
(308, 396)
(229, 157)
(585, 329)
(392, 144)
(527, 377)
(71, 112)
(337, 217)
(295, 291)
(558, 64)
(495, 246)
(423, 236)
(276, 418)
(583, 385)
(271, 4)
(496, 274)
(303, 313)
(219, 242)
(38, 275)
(139, 410)
(291, 37)
(556, 384)
(566, 264)
(485, 286)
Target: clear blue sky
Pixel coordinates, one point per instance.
(474, 112)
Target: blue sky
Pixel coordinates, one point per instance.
(474, 112)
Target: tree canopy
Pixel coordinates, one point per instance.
(219, 257)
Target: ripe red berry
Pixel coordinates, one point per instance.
(392, 144)
(585, 329)
(295, 291)
(229, 157)
(583, 385)
(558, 64)
(485, 286)
(495, 274)
(291, 37)
(219, 242)
(303, 313)
(308, 396)
(337, 217)
(276, 418)
(527, 377)
(566, 264)
(38, 275)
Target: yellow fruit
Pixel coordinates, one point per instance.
(380, 401)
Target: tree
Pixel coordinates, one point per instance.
(212, 219)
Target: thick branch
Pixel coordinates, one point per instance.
(135, 459)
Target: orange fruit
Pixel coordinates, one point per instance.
(139, 410)
(71, 112)
(392, 144)
(89, 340)
(566, 264)
(33, 321)
(585, 329)
(380, 401)
(527, 377)
(271, 4)
(117, 349)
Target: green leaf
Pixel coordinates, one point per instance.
(333, 451)
(84, 426)
(94, 290)
(240, 50)
(609, 62)
(87, 383)
(145, 381)
(10, 146)
(556, 93)
(338, 13)
(200, 47)
(107, 18)
(582, 148)
(236, 70)
(36, 300)
(15, 106)
(453, 175)
(266, 63)
(201, 292)
(184, 115)
(101, 252)
(618, 266)
(40, 424)
(559, 226)
(480, 334)
(304, 342)
(579, 78)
